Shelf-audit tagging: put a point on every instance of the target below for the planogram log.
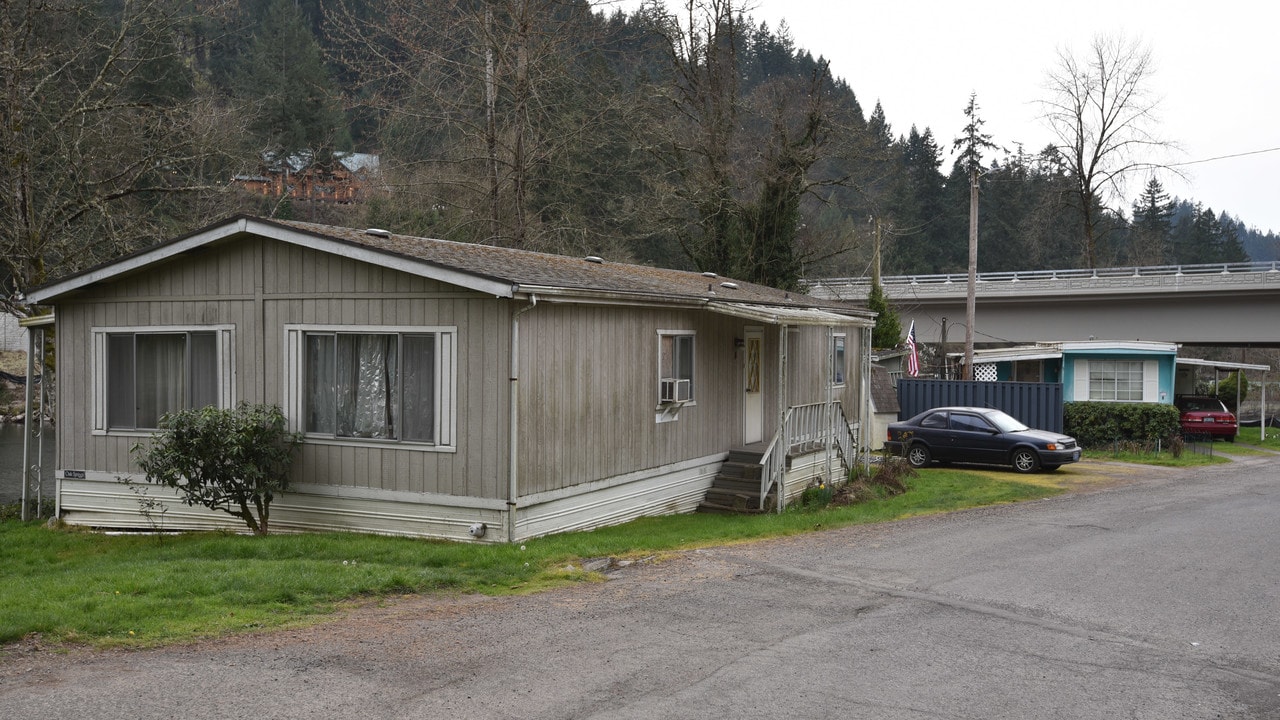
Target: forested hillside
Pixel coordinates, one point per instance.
(705, 141)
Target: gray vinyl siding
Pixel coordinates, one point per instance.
(260, 286)
(589, 390)
(808, 349)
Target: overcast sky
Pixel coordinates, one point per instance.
(1217, 72)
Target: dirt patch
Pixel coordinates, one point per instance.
(1099, 475)
(13, 362)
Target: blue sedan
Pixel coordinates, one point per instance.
(979, 435)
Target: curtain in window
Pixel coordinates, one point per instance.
(367, 374)
(121, 411)
(202, 365)
(419, 387)
(320, 384)
(160, 380)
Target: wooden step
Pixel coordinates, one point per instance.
(736, 488)
(744, 456)
(743, 470)
(734, 484)
(717, 509)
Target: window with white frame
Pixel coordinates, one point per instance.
(675, 366)
(377, 384)
(838, 363)
(142, 374)
(1116, 380)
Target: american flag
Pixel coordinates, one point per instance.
(913, 360)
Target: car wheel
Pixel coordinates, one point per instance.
(918, 456)
(1025, 460)
(1231, 438)
(1049, 468)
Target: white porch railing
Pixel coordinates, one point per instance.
(806, 427)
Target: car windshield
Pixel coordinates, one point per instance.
(1203, 405)
(1005, 422)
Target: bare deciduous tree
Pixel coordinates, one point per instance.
(1103, 118)
(100, 124)
(738, 162)
(483, 108)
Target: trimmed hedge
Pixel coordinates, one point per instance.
(1098, 424)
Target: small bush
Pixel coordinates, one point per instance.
(887, 480)
(816, 497)
(1100, 424)
(229, 460)
(1226, 391)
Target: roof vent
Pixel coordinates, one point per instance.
(730, 285)
(378, 232)
(708, 274)
(594, 259)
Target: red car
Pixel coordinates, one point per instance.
(1206, 416)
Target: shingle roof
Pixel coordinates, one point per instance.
(535, 270)
(503, 271)
(884, 397)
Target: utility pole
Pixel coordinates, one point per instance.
(970, 299)
(971, 144)
(875, 254)
(942, 352)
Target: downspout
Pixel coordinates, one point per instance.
(513, 485)
(828, 415)
(27, 427)
(783, 434)
(864, 422)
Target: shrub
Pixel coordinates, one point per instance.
(1097, 424)
(230, 460)
(1226, 391)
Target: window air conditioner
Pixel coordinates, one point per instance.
(673, 390)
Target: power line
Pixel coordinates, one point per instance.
(1224, 157)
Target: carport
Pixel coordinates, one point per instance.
(1193, 366)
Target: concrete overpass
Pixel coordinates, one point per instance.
(1236, 304)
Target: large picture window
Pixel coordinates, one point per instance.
(1116, 380)
(375, 385)
(141, 374)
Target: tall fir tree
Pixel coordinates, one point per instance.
(888, 330)
(283, 73)
(1152, 223)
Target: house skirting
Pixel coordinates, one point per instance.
(99, 500)
(810, 469)
(668, 490)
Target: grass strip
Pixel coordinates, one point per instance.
(1253, 436)
(74, 586)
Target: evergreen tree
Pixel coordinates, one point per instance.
(888, 330)
(921, 242)
(1228, 245)
(283, 74)
(1152, 222)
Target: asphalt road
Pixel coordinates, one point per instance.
(1157, 599)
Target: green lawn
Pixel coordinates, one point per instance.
(1207, 454)
(73, 586)
(1252, 435)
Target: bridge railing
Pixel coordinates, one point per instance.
(1025, 275)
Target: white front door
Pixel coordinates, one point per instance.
(753, 382)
